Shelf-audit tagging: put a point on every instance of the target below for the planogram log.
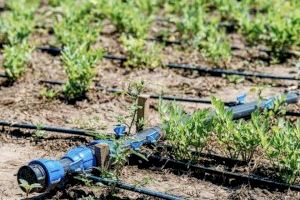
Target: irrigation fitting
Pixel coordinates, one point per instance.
(51, 173)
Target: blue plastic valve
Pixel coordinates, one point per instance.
(241, 99)
(120, 130)
(268, 104)
(152, 138)
(135, 145)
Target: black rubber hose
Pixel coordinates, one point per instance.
(254, 180)
(47, 128)
(133, 188)
(151, 96)
(211, 71)
(220, 72)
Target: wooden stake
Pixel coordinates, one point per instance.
(142, 112)
(102, 155)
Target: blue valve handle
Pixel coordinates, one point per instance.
(49, 172)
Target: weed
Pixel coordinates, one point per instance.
(48, 93)
(84, 179)
(235, 79)
(39, 133)
(119, 156)
(28, 187)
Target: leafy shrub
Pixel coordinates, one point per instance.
(198, 30)
(241, 138)
(126, 17)
(16, 58)
(15, 28)
(79, 64)
(185, 131)
(17, 24)
(73, 31)
(282, 148)
(277, 27)
(140, 54)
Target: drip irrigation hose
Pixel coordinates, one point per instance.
(217, 158)
(293, 114)
(211, 71)
(47, 128)
(151, 96)
(169, 98)
(220, 72)
(133, 188)
(155, 160)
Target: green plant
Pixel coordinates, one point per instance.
(119, 156)
(235, 79)
(238, 138)
(198, 29)
(282, 148)
(48, 93)
(126, 17)
(185, 131)
(84, 179)
(16, 25)
(16, 58)
(76, 30)
(39, 133)
(277, 27)
(79, 64)
(140, 54)
(134, 91)
(28, 187)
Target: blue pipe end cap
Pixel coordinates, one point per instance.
(54, 170)
(120, 130)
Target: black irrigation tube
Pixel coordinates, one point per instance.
(151, 96)
(46, 128)
(220, 72)
(134, 188)
(293, 114)
(212, 156)
(211, 71)
(155, 96)
(158, 161)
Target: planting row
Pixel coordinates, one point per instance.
(77, 31)
(186, 137)
(266, 136)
